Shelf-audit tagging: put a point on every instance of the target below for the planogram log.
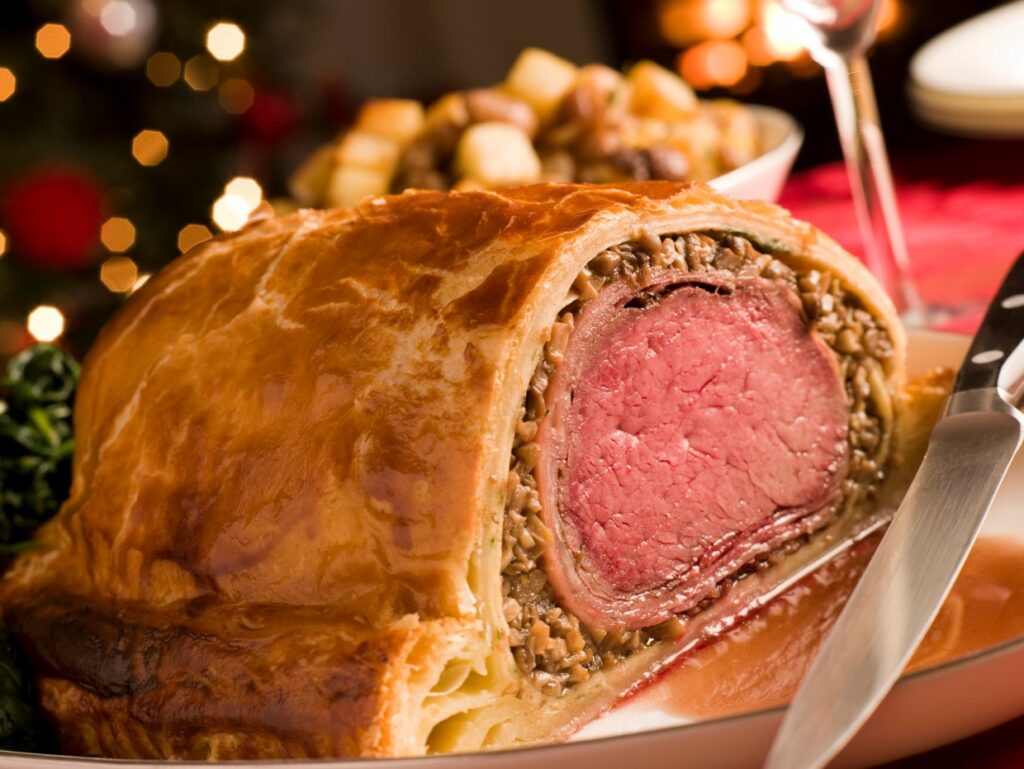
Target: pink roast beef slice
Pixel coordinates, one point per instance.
(687, 435)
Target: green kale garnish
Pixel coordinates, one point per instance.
(36, 440)
(22, 727)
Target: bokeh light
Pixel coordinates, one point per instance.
(8, 84)
(201, 72)
(119, 274)
(225, 41)
(53, 40)
(3, 243)
(755, 43)
(725, 18)
(242, 195)
(149, 147)
(191, 235)
(888, 16)
(163, 68)
(45, 323)
(236, 96)
(247, 188)
(714, 62)
(118, 18)
(230, 212)
(117, 234)
(783, 33)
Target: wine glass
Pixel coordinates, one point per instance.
(837, 34)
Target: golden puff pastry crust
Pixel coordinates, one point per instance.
(283, 535)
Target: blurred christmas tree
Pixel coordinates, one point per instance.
(122, 122)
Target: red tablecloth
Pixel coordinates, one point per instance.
(963, 213)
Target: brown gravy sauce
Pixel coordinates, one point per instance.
(760, 663)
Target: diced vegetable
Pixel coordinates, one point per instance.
(659, 93)
(496, 154)
(597, 91)
(359, 149)
(396, 119)
(740, 133)
(308, 185)
(541, 79)
(487, 105)
(700, 140)
(349, 185)
(447, 112)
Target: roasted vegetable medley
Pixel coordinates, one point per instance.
(549, 120)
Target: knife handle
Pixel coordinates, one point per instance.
(995, 360)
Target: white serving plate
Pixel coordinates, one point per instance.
(970, 79)
(764, 176)
(926, 709)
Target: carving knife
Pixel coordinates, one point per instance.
(924, 547)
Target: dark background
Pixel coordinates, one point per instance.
(309, 63)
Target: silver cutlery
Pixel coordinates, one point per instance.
(924, 548)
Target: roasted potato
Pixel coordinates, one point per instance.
(541, 79)
(496, 154)
(396, 119)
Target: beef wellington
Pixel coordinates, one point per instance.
(449, 471)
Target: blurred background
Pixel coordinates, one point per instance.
(130, 130)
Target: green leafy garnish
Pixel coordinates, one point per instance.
(22, 727)
(36, 440)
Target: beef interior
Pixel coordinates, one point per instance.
(700, 409)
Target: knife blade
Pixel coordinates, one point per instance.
(925, 546)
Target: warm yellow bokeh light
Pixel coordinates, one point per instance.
(725, 18)
(163, 68)
(117, 234)
(230, 212)
(247, 188)
(3, 243)
(45, 323)
(201, 72)
(149, 147)
(119, 274)
(714, 62)
(236, 96)
(782, 33)
(192, 235)
(679, 22)
(8, 84)
(755, 43)
(93, 7)
(53, 40)
(727, 62)
(888, 15)
(225, 41)
(118, 17)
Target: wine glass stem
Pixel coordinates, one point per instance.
(874, 195)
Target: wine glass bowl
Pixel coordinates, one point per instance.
(835, 27)
(838, 34)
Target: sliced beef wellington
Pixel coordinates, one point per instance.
(397, 479)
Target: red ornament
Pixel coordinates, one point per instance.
(54, 218)
(272, 118)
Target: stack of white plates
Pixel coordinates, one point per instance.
(970, 79)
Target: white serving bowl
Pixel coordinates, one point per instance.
(764, 176)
